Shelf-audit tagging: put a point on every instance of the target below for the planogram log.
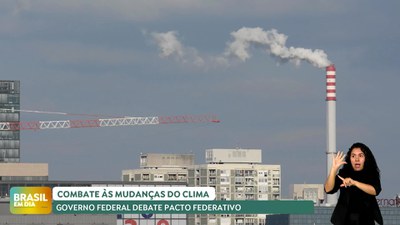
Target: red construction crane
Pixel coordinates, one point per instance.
(107, 122)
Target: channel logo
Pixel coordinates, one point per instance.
(30, 200)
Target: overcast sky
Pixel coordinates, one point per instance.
(258, 65)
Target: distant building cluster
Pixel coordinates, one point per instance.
(236, 174)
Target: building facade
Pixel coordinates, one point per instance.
(236, 174)
(161, 168)
(21, 172)
(9, 112)
(314, 192)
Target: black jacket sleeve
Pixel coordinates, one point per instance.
(338, 181)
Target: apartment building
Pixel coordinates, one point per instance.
(236, 174)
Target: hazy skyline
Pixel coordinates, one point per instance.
(258, 65)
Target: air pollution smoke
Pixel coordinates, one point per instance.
(171, 47)
(274, 43)
(169, 44)
(244, 39)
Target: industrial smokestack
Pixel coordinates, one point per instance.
(331, 199)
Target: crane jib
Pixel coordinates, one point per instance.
(110, 122)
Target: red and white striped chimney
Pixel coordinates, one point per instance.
(331, 199)
(331, 83)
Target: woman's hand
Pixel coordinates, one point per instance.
(338, 161)
(347, 182)
(367, 188)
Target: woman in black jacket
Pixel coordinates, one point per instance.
(359, 183)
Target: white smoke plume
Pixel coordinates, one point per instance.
(170, 46)
(271, 41)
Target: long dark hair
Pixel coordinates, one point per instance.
(370, 165)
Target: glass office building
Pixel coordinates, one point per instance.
(9, 112)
